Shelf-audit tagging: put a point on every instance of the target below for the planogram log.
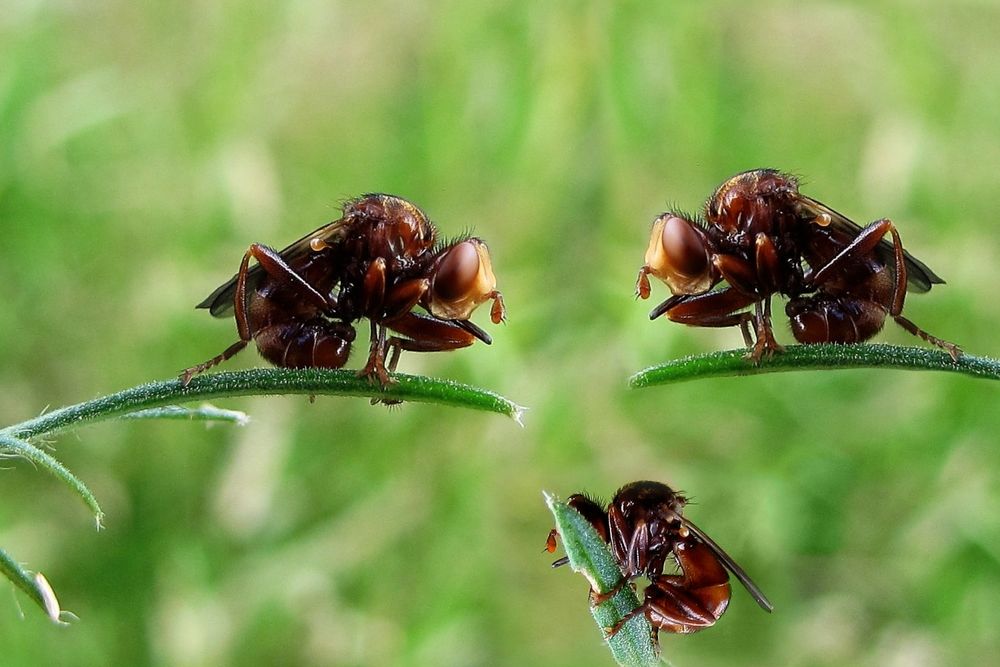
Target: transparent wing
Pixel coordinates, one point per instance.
(731, 565)
(918, 276)
(220, 302)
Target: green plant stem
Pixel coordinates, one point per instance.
(46, 461)
(157, 400)
(35, 586)
(633, 644)
(208, 413)
(260, 381)
(814, 357)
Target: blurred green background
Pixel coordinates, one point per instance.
(143, 146)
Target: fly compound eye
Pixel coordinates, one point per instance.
(457, 272)
(678, 255)
(462, 280)
(684, 248)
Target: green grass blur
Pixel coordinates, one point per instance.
(143, 146)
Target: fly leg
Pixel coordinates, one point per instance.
(690, 601)
(865, 242)
(755, 284)
(954, 351)
(276, 267)
(766, 344)
(430, 334)
(384, 303)
(424, 334)
(711, 309)
(375, 369)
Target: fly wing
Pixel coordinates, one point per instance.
(918, 276)
(731, 565)
(220, 303)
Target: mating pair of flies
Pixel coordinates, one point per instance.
(759, 237)
(382, 259)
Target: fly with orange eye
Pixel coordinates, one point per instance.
(760, 237)
(378, 262)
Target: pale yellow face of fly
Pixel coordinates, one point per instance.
(677, 255)
(462, 281)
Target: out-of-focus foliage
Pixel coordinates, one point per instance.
(143, 146)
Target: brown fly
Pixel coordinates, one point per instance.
(761, 236)
(645, 528)
(379, 261)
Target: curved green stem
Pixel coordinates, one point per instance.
(814, 357)
(46, 461)
(260, 381)
(203, 413)
(158, 400)
(633, 645)
(35, 586)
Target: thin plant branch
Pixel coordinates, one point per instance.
(17, 447)
(814, 357)
(34, 585)
(206, 413)
(266, 381)
(158, 400)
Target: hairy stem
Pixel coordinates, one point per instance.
(205, 413)
(12, 446)
(262, 381)
(814, 357)
(34, 585)
(158, 400)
